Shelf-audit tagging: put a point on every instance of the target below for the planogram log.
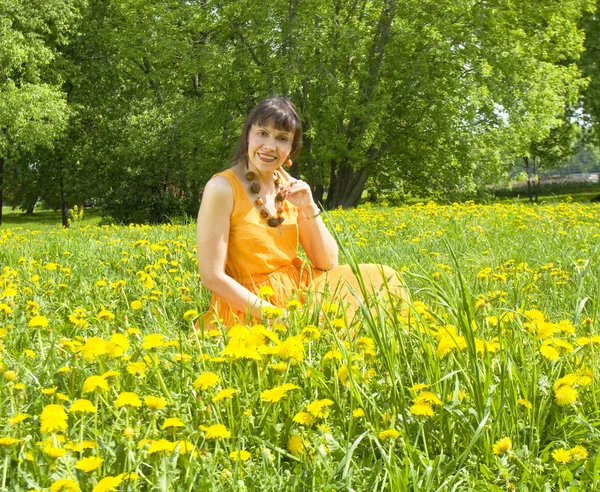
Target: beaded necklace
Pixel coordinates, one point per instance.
(272, 220)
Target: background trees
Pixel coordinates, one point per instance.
(432, 96)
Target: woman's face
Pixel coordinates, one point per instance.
(268, 147)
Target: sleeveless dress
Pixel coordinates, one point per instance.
(259, 255)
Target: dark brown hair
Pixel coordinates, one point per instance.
(277, 111)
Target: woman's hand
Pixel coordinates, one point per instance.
(298, 193)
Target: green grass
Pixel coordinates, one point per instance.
(504, 314)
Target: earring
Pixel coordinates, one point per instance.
(288, 163)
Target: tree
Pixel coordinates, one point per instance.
(33, 108)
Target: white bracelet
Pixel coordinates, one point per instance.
(314, 216)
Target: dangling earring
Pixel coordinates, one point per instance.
(288, 163)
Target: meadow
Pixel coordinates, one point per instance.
(486, 381)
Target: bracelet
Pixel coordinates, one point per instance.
(314, 216)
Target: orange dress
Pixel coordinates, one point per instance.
(259, 255)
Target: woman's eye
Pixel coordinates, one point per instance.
(283, 139)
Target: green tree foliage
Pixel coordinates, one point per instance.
(590, 64)
(419, 94)
(33, 107)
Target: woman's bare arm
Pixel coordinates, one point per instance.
(212, 239)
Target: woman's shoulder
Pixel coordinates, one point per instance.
(219, 186)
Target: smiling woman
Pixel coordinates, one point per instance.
(253, 216)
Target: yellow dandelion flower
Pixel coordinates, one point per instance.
(161, 446)
(17, 419)
(579, 453)
(190, 314)
(93, 348)
(295, 445)
(272, 395)
(89, 464)
(241, 455)
(94, 383)
(135, 305)
(82, 406)
(310, 333)
(54, 452)
(8, 441)
(304, 418)
(333, 355)
(358, 413)
(565, 395)
(105, 314)
(10, 375)
(291, 348)
(108, 484)
(172, 423)
(549, 352)
(38, 322)
(65, 485)
(525, 403)
(217, 431)
(428, 397)
(137, 368)
(561, 455)
(128, 399)
(388, 434)
(418, 387)
(502, 446)
(206, 380)
(223, 394)
(53, 418)
(266, 291)
(320, 408)
(422, 409)
(155, 402)
(153, 341)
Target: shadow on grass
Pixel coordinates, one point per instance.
(17, 218)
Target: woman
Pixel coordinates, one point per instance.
(252, 217)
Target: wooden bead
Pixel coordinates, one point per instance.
(273, 222)
(280, 219)
(255, 188)
(279, 197)
(259, 201)
(263, 213)
(277, 182)
(250, 176)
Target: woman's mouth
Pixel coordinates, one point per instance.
(266, 157)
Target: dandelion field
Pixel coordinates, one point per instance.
(487, 380)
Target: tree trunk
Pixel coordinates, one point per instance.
(64, 202)
(346, 186)
(529, 179)
(1, 186)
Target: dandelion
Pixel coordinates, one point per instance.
(333, 355)
(38, 322)
(161, 446)
(224, 394)
(217, 431)
(128, 399)
(502, 446)
(320, 408)
(388, 434)
(525, 403)
(295, 445)
(135, 305)
(422, 409)
(549, 352)
(310, 333)
(272, 395)
(266, 291)
(105, 314)
(82, 406)
(10, 375)
(17, 419)
(190, 314)
(565, 395)
(241, 455)
(137, 368)
(94, 383)
(153, 341)
(53, 418)
(428, 397)
(108, 484)
(561, 455)
(172, 423)
(93, 348)
(206, 380)
(579, 453)
(8, 441)
(358, 413)
(89, 464)
(155, 402)
(65, 485)
(304, 418)
(418, 387)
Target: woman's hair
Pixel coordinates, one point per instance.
(277, 111)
